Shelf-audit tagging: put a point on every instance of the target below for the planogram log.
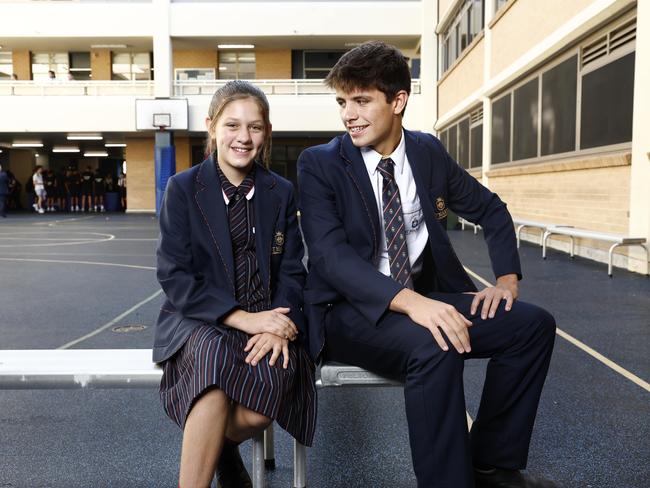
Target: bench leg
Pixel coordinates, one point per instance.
(544, 239)
(269, 448)
(610, 258)
(258, 461)
(572, 245)
(518, 233)
(299, 465)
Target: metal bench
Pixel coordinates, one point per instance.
(464, 222)
(521, 224)
(617, 240)
(102, 369)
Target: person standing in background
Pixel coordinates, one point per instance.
(99, 190)
(39, 189)
(4, 192)
(87, 190)
(50, 182)
(121, 184)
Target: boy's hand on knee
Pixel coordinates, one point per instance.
(505, 289)
(435, 316)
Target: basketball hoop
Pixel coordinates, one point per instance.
(162, 121)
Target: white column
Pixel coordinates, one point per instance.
(487, 105)
(640, 173)
(429, 66)
(162, 49)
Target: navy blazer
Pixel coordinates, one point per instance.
(195, 258)
(340, 222)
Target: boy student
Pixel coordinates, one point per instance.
(386, 291)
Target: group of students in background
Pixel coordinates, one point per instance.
(69, 190)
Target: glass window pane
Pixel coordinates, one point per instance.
(463, 28)
(559, 108)
(227, 57)
(463, 143)
(451, 142)
(607, 100)
(524, 125)
(501, 130)
(321, 59)
(476, 144)
(6, 65)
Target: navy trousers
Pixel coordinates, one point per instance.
(519, 344)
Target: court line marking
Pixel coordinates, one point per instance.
(65, 261)
(581, 345)
(107, 237)
(112, 322)
(54, 222)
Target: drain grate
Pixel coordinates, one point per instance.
(129, 328)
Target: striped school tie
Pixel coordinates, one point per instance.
(398, 255)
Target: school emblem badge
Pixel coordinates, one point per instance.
(278, 243)
(441, 209)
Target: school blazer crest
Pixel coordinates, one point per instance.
(195, 263)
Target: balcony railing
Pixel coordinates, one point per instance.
(270, 87)
(146, 88)
(74, 88)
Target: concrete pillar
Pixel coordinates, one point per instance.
(487, 104)
(162, 49)
(640, 172)
(429, 66)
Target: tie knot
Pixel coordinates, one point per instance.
(387, 167)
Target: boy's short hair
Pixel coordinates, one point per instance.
(373, 64)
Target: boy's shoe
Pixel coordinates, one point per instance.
(508, 478)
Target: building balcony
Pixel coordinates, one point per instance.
(297, 106)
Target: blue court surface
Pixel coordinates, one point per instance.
(88, 281)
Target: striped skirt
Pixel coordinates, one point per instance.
(214, 357)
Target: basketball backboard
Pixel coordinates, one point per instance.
(161, 113)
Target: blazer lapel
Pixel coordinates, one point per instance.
(209, 199)
(267, 206)
(356, 169)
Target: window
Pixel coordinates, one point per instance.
(236, 65)
(559, 108)
(476, 146)
(80, 65)
(6, 65)
(43, 63)
(132, 66)
(501, 130)
(498, 4)
(463, 143)
(317, 64)
(524, 124)
(467, 23)
(452, 142)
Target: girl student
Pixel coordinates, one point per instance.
(230, 264)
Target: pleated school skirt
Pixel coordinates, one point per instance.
(214, 357)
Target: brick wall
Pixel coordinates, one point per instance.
(273, 64)
(590, 193)
(195, 59)
(22, 64)
(141, 183)
(100, 64)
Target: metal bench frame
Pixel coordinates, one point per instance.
(464, 222)
(617, 239)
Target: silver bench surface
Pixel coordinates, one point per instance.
(617, 240)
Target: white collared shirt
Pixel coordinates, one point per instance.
(416, 230)
(249, 195)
